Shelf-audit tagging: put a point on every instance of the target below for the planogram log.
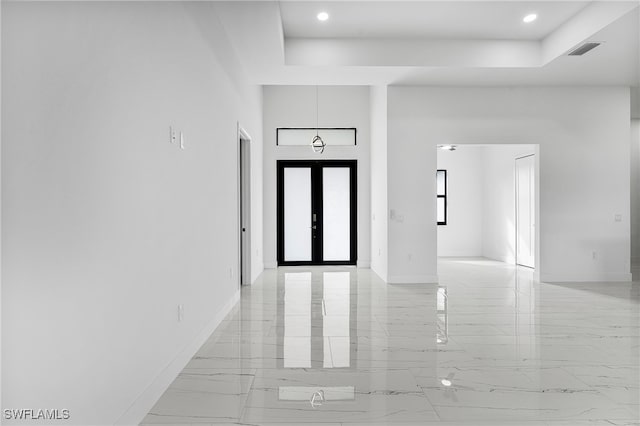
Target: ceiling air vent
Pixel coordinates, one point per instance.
(581, 50)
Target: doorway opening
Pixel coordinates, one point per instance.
(317, 212)
(244, 198)
(487, 205)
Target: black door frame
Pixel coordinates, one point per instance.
(316, 208)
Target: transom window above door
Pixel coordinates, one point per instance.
(302, 136)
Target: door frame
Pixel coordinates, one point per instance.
(316, 167)
(244, 207)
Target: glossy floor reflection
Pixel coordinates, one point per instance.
(486, 346)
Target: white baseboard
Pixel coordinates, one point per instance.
(460, 254)
(635, 273)
(146, 400)
(260, 270)
(270, 265)
(578, 278)
(635, 268)
(503, 259)
(413, 279)
(383, 277)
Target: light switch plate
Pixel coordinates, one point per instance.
(180, 313)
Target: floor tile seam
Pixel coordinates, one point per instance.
(386, 332)
(244, 406)
(569, 373)
(435, 409)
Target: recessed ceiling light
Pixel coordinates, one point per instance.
(446, 382)
(323, 16)
(530, 18)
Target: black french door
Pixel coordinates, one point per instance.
(317, 212)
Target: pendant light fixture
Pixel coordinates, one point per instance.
(317, 144)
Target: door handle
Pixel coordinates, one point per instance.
(313, 227)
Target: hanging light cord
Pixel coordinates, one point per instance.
(317, 144)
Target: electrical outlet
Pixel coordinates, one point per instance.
(594, 255)
(230, 272)
(180, 313)
(618, 218)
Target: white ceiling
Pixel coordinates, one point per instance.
(431, 20)
(434, 42)
(615, 62)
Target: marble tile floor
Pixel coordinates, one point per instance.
(488, 345)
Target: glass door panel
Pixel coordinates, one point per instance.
(336, 200)
(297, 213)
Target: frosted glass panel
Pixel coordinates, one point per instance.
(441, 215)
(297, 214)
(336, 220)
(303, 137)
(440, 178)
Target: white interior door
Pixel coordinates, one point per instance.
(525, 211)
(245, 212)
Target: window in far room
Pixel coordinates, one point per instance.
(441, 192)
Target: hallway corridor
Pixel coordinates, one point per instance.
(486, 346)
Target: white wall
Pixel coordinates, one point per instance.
(1, 316)
(462, 235)
(257, 204)
(499, 219)
(107, 226)
(635, 198)
(379, 209)
(583, 134)
(295, 106)
(411, 189)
